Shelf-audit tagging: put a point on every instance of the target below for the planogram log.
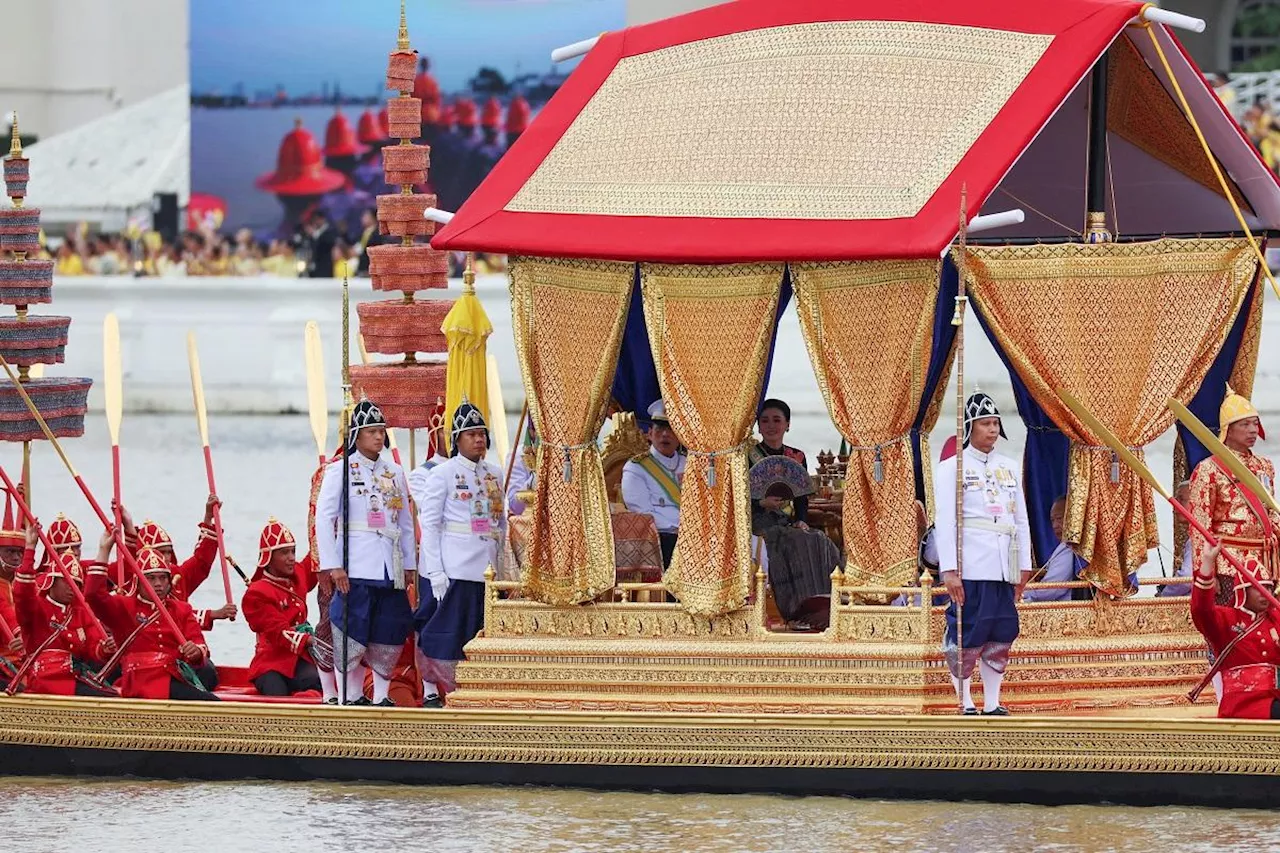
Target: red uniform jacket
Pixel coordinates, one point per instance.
(152, 658)
(10, 618)
(188, 576)
(273, 607)
(1250, 671)
(52, 670)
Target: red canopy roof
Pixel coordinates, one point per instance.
(804, 130)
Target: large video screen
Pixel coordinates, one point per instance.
(288, 99)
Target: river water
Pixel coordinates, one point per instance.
(126, 815)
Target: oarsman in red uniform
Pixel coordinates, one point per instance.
(1245, 640)
(63, 637)
(195, 570)
(12, 544)
(152, 661)
(275, 607)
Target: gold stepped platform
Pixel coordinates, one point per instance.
(1072, 657)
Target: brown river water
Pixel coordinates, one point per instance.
(113, 816)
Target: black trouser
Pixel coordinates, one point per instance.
(1275, 709)
(305, 677)
(83, 689)
(208, 675)
(668, 543)
(182, 690)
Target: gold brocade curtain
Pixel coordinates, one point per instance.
(872, 376)
(1123, 327)
(567, 320)
(710, 328)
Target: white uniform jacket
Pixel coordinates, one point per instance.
(997, 537)
(642, 493)
(418, 477)
(463, 520)
(521, 480)
(379, 520)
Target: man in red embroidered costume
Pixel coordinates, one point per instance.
(154, 664)
(188, 576)
(62, 637)
(1245, 640)
(12, 543)
(275, 606)
(1233, 514)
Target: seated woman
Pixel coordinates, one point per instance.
(799, 561)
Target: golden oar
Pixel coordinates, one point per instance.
(1131, 459)
(113, 396)
(497, 408)
(202, 421)
(1238, 469)
(317, 400)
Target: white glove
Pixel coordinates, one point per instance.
(439, 585)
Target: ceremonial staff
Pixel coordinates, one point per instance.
(128, 559)
(202, 421)
(113, 396)
(346, 478)
(511, 463)
(1131, 459)
(957, 320)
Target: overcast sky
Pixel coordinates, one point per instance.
(301, 44)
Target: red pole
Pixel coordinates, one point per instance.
(6, 631)
(1231, 558)
(119, 511)
(217, 525)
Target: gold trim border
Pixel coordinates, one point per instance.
(1033, 742)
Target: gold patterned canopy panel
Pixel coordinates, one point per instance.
(798, 122)
(766, 131)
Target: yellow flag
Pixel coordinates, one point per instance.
(466, 329)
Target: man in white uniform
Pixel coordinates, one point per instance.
(996, 558)
(370, 609)
(418, 476)
(651, 481)
(463, 521)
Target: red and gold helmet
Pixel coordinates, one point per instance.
(73, 567)
(274, 537)
(11, 536)
(152, 562)
(63, 533)
(152, 535)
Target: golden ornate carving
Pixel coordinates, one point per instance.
(763, 739)
(624, 441)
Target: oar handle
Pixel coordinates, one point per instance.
(6, 633)
(217, 526)
(119, 510)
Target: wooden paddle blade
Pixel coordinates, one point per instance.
(317, 400)
(197, 388)
(1109, 439)
(113, 376)
(1238, 469)
(497, 410)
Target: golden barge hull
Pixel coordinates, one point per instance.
(1032, 758)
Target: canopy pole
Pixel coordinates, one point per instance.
(1095, 228)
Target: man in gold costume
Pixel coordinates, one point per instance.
(1230, 511)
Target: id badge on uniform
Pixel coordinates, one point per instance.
(376, 519)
